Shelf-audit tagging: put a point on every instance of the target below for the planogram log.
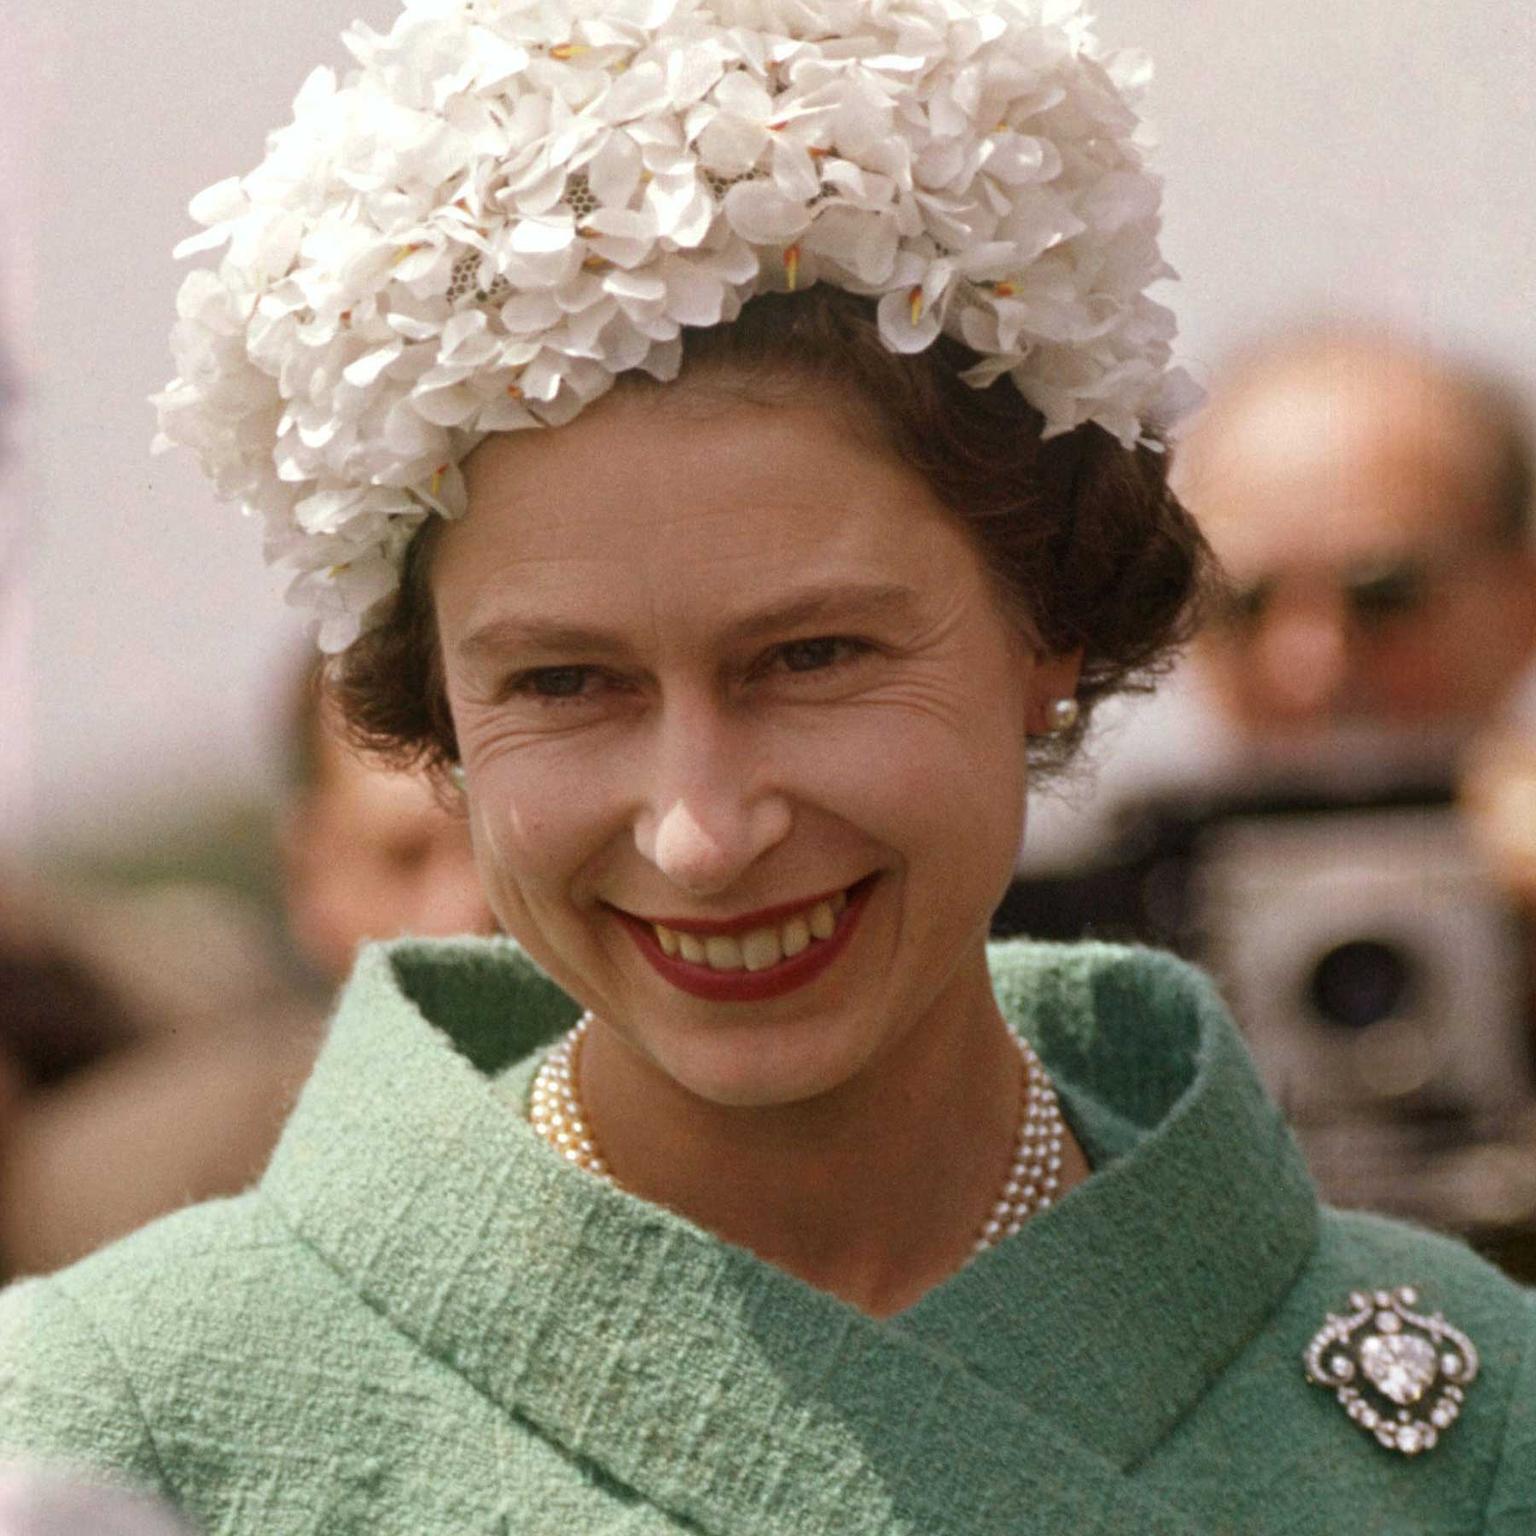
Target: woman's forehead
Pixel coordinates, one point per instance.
(746, 504)
(655, 441)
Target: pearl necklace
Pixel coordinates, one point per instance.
(1034, 1175)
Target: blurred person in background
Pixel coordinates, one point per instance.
(1371, 502)
(59, 1014)
(367, 853)
(1372, 505)
(59, 1019)
(129, 1097)
(159, 1051)
(1499, 795)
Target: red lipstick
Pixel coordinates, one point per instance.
(749, 986)
(766, 917)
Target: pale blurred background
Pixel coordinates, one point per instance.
(1374, 158)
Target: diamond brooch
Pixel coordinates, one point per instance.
(1400, 1375)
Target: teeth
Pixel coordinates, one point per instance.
(723, 953)
(760, 949)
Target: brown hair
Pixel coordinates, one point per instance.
(1089, 548)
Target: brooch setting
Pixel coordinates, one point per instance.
(1399, 1374)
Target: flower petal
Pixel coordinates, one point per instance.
(368, 368)
(218, 204)
(759, 212)
(614, 172)
(731, 146)
(906, 326)
(680, 207)
(694, 295)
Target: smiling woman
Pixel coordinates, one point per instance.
(744, 1187)
(796, 685)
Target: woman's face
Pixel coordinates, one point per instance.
(744, 730)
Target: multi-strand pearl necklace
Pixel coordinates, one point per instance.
(554, 1109)
(1034, 1175)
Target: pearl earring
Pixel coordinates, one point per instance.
(456, 776)
(1064, 714)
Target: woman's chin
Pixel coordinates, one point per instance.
(763, 1069)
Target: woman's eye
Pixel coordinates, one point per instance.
(554, 682)
(816, 655)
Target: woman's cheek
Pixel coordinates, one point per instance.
(537, 824)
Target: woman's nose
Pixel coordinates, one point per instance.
(709, 815)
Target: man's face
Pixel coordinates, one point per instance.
(1373, 594)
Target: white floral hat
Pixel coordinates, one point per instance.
(510, 202)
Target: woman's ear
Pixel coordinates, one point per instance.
(1052, 679)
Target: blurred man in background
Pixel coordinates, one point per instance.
(1373, 506)
(164, 1053)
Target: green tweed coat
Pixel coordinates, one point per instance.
(422, 1321)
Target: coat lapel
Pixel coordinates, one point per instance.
(1113, 1313)
(720, 1389)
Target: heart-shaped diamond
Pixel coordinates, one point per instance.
(1399, 1365)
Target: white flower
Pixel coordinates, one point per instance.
(505, 205)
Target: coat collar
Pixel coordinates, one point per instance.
(733, 1394)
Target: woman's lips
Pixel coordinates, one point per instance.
(763, 917)
(762, 955)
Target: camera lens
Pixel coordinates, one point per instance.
(1361, 983)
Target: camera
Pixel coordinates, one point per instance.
(1382, 988)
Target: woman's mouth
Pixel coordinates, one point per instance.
(758, 948)
(759, 956)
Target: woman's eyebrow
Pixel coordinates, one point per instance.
(842, 603)
(500, 636)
